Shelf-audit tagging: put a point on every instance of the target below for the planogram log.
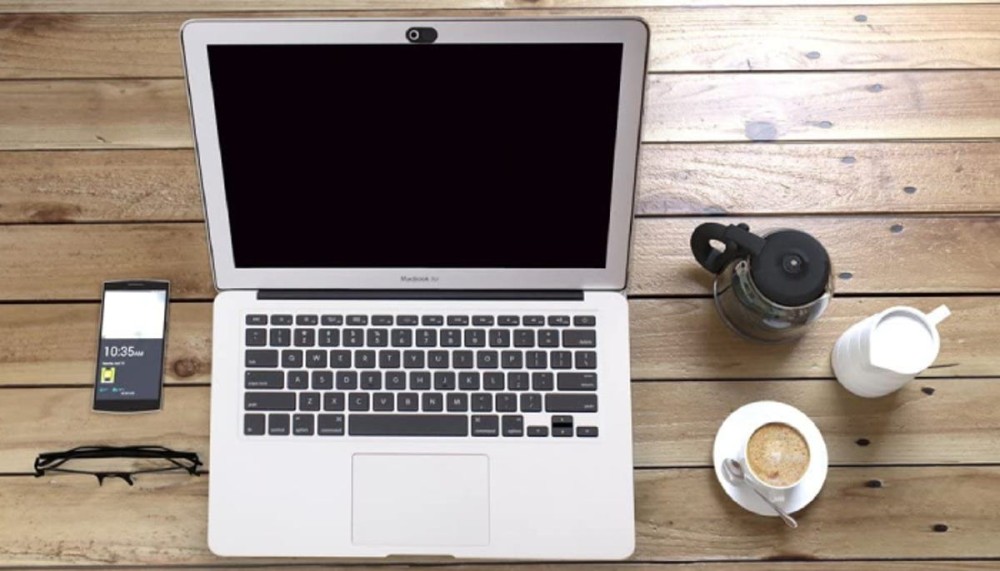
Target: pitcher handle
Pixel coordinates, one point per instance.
(939, 315)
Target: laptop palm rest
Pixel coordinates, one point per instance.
(420, 500)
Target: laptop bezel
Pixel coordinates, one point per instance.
(632, 33)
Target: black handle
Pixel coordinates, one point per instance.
(736, 237)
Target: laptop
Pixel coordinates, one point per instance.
(420, 232)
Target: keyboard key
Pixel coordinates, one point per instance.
(291, 358)
(303, 425)
(264, 380)
(559, 402)
(487, 359)
(256, 337)
(408, 425)
(358, 402)
(254, 424)
(281, 319)
(381, 320)
(444, 381)
(330, 425)
(458, 320)
(482, 402)
(278, 424)
(364, 359)
(388, 359)
(281, 338)
(395, 380)
(269, 401)
(506, 402)
(308, 401)
(437, 359)
(517, 381)
(493, 381)
(586, 359)
(579, 338)
(332, 320)
(413, 359)
(562, 420)
(402, 338)
(562, 431)
(298, 380)
(534, 320)
(558, 320)
(427, 338)
(512, 359)
(451, 337)
(461, 359)
(383, 402)
(548, 338)
(347, 380)
(536, 431)
(333, 401)
(541, 382)
(316, 359)
(354, 337)
(306, 320)
(378, 337)
(420, 381)
(475, 337)
(322, 380)
(536, 360)
(432, 402)
(256, 319)
(457, 402)
(407, 402)
(561, 360)
(468, 381)
(371, 380)
(584, 321)
(524, 337)
(531, 402)
(512, 425)
(586, 431)
(340, 359)
(357, 320)
(329, 337)
(432, 320)
(482, 320)
(499, 338)
(485, 425)
(509, 320)
(260, 358)
(577, 381)
(407, 320)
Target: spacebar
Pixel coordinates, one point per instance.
(408, 425)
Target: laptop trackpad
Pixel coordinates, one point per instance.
(421, 500)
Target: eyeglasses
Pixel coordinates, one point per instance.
(162, 459)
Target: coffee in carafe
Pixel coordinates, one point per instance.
(769, 287)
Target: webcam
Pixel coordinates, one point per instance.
(421, 35)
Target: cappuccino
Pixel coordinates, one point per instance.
(778, 455)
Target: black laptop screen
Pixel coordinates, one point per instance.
(429, 156)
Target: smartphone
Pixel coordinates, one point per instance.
(130, 349)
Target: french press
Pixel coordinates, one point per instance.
(769, 287)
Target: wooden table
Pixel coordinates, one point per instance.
(875, 127)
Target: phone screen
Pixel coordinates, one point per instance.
(130, 351)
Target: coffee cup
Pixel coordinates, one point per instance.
(775, 458)
(880, 354)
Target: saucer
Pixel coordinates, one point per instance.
(732, 436)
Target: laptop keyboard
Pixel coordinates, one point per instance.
(504, 376)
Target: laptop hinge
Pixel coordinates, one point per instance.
(479, 295)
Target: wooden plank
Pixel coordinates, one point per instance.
(49, 114)
(682, 515)
(674, 423)
(819, 178)
(55, 344)
(704, 39)
(160, 185)
(860, 247)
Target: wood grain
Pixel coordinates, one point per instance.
(54, 344)
(162, 185)
(819, 178)
(674, 424)
(682, 515)
(704, 39)
(100, 114)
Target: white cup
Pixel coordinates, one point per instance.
(777, 494)
(880, 354)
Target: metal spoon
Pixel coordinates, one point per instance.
(734, 470)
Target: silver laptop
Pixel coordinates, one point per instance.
(420, 231)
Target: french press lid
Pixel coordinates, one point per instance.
(789, 267)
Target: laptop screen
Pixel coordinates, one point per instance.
(417, 156)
